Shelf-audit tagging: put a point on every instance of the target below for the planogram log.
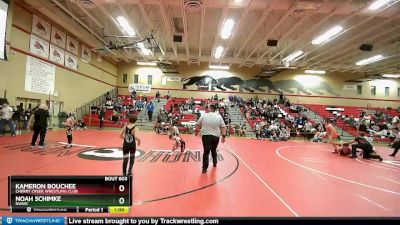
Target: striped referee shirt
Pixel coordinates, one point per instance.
(211, 124)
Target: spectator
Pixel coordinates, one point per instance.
(158, 96)
(395, 119)
(81, 125)
(242, 130)
(318, 136)
(102, 114)
(168, 95)
(281, 98)
(150, 109)
(133, 95)
(308, 130)
(6, 118)
(396, 142)
(17, 118)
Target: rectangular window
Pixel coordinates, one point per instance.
(136, 79)
(150, 79)
(398, 92)
(359, 89)
(124, 78)
(387, 91)
(373, 90)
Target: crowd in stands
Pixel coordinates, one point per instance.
(120, 107)
(379, 125)
(271, 122)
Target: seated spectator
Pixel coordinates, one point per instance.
(242, 130)
(81, 125)
(318, 137)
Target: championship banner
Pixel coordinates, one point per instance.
(58, 37)
(56, 54)
(140, 88)
(39, 76)
(39, 47)
(72, 45)
(86, 53)
(350, 87)
(41, 28)
(71, 61)
(174, 78)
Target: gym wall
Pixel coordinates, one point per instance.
(74, 88)
(318, 89)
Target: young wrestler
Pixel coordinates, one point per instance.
(332, 134)
(178, 142)
(130, 135)
(69, 124)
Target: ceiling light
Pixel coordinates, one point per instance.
(315, 71)
(218, 67)
(218, 52)
(146, 63)
(391, 75)
(227, 28)
(369, 60)
(378, 4)
(327, 36)
(143, 49)
(125, 25)
(293, 56)
(238, 1)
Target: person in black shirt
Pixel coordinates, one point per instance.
(158, 96)
(362, 143)
(16, 117)
(129, 134)
(40, 125)
(102, 114)
(281, 99)
(396, 143)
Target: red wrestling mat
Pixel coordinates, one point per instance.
(253, 178)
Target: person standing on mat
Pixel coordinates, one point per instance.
(363, 144)
(396, 143)
(69, 124)
(212, 126)
(130, 135)
(150, 110)
(102, 114)
(6, 113)
(332, 135)
(40, 125)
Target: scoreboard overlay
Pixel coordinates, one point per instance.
(68, 193)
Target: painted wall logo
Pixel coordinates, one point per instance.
(106, 154)
(115, 153)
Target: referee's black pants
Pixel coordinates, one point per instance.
(210, 144)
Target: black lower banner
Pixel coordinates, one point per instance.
(225, 220)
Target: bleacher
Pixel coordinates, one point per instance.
(93, 118)
(354, 111)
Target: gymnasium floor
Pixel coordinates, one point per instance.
(253, 178)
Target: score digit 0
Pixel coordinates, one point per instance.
(121, 200)
(121, 188)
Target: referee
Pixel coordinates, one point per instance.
(212, 126)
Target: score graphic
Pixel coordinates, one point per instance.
(68, 193)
